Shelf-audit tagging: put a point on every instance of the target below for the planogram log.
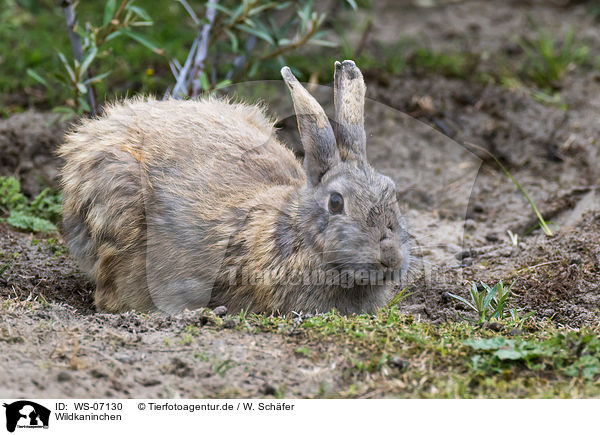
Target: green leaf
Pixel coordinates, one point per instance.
(204, 81)
(88, 60)
(463, 300)
(144, 40)
(489, 343)
(11, 197)
(140, 13)
(65, 63)
(31, 73)
(109, 11)
(24, 221)
(63, 109)
(234, 40)
(322, 43)
(221, 8)
(510, 354)
(283, 5)
(489, 296)
(83, 104)
(261, 8)
(223, 84)
(97, 78)
(353, 4)
(256, 32)
(47, 205)
(113, 35)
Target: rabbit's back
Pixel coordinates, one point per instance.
(153, 190)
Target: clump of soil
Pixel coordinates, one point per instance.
(41, 268)
(27, 144)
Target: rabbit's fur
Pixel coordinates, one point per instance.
(180, 204)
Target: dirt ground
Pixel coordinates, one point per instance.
(458, 204)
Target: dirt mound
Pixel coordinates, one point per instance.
(41, 269)
(27, 144)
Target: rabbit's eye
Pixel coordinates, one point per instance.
(336, 203)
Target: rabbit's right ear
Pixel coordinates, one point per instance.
(320, 149)
(349, 100)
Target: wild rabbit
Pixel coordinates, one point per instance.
(181, 204)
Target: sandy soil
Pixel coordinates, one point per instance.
(459, 206)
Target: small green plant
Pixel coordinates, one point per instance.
(86, 43)
(575, 354)
(549, 59)
(39, 215)
(449, 64)
(235, 39)
(491, 303)
(400, 296)
(221, 367)
(303, 350)
(6, 267)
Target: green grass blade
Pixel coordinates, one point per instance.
(543, 223)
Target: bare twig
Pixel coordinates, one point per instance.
(202, 51)
(77, 46)
(180, 80)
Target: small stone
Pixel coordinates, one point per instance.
(516, 331)
(220, 311)
(98, 374)
(269, 390)
(180, 368)
(492, 237)
(150, 382)
(463, 254)
(399, 363)
(124, 358)
(64, 377)
(478, 207)
(493, 326)
(470, 224)
(230, 323)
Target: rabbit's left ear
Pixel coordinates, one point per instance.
(320, 150)
(349, 100)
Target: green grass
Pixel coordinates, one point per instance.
(542, 222)
(38, 215)
(33, 37)
(549, 58)
(390, 354)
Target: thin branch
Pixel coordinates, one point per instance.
(113, 25)
(281, 50)
(76, 46)
(180, 80)
(202, 51)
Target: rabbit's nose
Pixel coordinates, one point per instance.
(390, 255)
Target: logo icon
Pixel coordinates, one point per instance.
(26, 414)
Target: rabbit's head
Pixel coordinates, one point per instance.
(349, 210)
